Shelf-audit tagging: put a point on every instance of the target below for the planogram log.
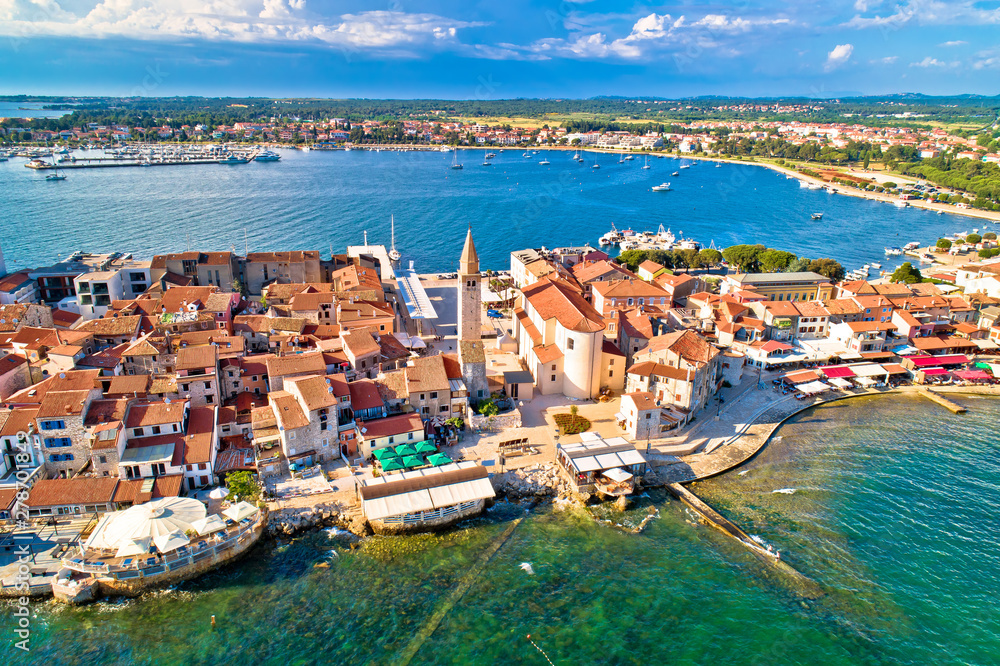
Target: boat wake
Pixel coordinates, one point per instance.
(527, 568)
(784, 491)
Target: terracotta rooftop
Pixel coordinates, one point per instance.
(142, 414)
(83, 490)
(117, 326)
(295, 364)
(392, 425)
(555, 299)
(287, 410)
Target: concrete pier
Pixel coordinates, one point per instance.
(802, 584)
(953, 407)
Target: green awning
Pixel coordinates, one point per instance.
(405, 450)
(383, 454)
(413, 461)
(982, 365)
(438, 459)
(391, 465)
(425, 447)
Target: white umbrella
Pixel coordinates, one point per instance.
(208, 525)
(218, 493)
(134, 547)
(153, 519)
(172, 541)
(239, 511)
(617, 474)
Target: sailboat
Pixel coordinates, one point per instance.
(596, 164)
(394, 254)
(486, 159)
(455, 164)
(56, 175)
(646, 165)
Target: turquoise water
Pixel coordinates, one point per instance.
(318, 200)
(893, 514)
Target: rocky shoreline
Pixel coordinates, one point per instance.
(528, 484)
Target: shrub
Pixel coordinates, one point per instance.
(571, 424)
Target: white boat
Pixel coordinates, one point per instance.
(817, 216)
(912, 245)
(900, 204)
(893, 251)
(877, 266)
(662, 187)
(267, 156)
(685, 166)
(486, 159)
(394, 254)
(629, 158)
(803, 184)
(666, 237)
(526, 155)
(718, 166)
(544, 163)
(454, 163)
(814, 186)
(675, 174)
(646, 165)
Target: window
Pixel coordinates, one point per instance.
(611, 373)
(208, 385)
(52, 425)
(444, 408)
(553, 378)
(209, 399)
(253, 378)
(56, 442)
(102, 459)
(422, 395)
(202, 466)
(137, 432)
(60, 457)
(184, 387)
(434, 395)
(136, 277)
(569, 343)
(175, 427)
(425, 410)
(553, 367)
(409, 436)
(291, 436)
(156, 430)
(391, 439)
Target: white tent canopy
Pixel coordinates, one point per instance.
(239, 511)
(133, 547)
(208, 525)
(813, 387)
(166, 543)
(840, 382)
(617, 474)
(869, 370)
(866, 381)
(218, 493)
(152, 519)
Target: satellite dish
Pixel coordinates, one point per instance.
(166, 400)
(62, 375)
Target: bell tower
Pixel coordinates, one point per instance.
(470, 313)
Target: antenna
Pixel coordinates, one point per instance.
(246, 242)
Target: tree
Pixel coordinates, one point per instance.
(989, 235)
(906, 274)
(973, 239)
(489, 408)
(775, 261)
(573, 411)
(867, 159)
(828, 268)
(632, 258)
(709, 257)
(243, 485)
(744, 257)
(944, 244)
(799, 265)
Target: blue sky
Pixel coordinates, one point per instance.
(499, 48)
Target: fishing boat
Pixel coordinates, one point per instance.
(665, 236)
(646, 165)
(662, 187)
(613, 237)
(394, 254)
(817, 216)
(454, 163)
(675, 174)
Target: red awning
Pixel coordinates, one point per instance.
(926, 361)
(930, 372)
(972, 374)
(832, 371)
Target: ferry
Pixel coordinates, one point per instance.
(662, 187)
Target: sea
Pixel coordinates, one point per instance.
(327, 200)
(887, 503)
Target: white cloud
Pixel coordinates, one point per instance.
(957, 42)
(232, 20)
(839, 56)
(925, 12)
(888, 60)
(928, 62)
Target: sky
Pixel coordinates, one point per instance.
(498, 49)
